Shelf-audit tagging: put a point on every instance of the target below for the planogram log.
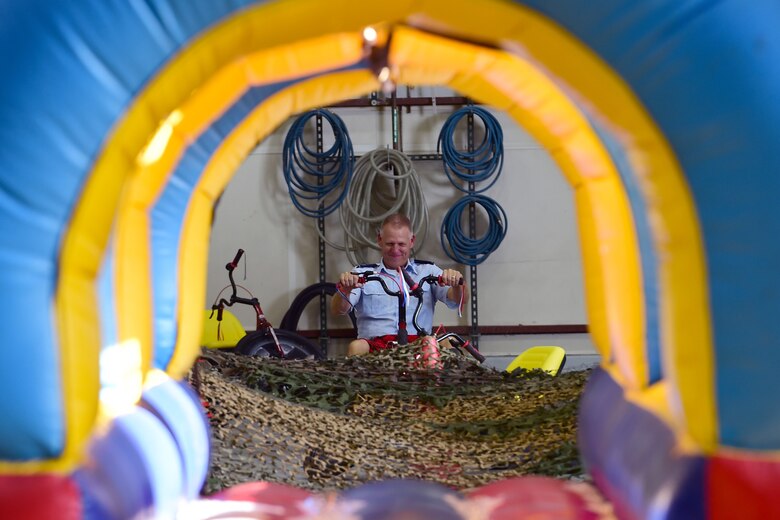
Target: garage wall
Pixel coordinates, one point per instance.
(534, 278)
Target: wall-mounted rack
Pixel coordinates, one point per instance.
(375, 100)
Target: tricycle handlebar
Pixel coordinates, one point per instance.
(416, 290)
(232, 265)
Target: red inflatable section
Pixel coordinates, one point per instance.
(541, 498)
(742, 488)
(268, 500)
(40, 497)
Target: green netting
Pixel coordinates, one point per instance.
(335, 424)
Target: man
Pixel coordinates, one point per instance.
(375, 310)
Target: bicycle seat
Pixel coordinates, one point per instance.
(551, 359)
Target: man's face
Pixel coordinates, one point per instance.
(396, 243)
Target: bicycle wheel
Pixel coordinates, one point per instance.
(294, 346)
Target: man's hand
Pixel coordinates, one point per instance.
(456, 292)
(451, 277)
(349, 281)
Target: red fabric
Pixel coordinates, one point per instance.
(381, 342)
(743, 488)
(279, 500)
(43, 497)
(540, 498)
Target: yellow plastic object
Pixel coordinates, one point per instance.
(221, 335)
(548, 358)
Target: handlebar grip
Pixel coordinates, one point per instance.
(363, 277)
(474, 352)
(408, 279)
(414, 287)
(232, 265)
(441, 280)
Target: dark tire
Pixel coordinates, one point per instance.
(294, 346)
(293, 314)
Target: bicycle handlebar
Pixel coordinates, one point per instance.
(234, 298)
(369, 276)
(232, 265)
(432, 279)
(416, 290)
(464, 344)
(262, 322)
(414, 287)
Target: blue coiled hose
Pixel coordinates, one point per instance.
(484, 162)
(312, 175)
(458, 245)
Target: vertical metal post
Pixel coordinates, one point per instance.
(321, 248)
(396, 123)
(395, 120)
(472, 235)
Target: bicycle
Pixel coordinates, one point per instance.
(265, 341)
(416, 290)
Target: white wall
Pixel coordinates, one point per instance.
(534, 278)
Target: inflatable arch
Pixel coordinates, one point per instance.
(123, 121)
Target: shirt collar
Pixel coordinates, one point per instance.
(411, 267)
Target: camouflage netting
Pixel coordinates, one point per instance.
(335, 424)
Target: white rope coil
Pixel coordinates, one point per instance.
(384, 182)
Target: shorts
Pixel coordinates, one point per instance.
(385, 342)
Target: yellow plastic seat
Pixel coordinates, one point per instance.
(548, 358)
(221, 335)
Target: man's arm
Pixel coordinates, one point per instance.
(340, 303)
